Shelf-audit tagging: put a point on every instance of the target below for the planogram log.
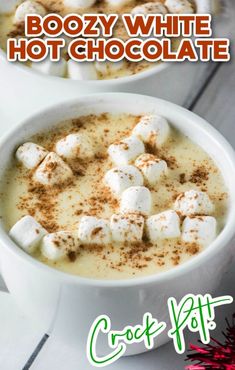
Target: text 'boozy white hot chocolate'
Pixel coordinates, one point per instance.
(12, 25)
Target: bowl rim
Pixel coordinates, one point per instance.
(218, 244)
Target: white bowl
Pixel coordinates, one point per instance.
(171, 81)
(67, 305)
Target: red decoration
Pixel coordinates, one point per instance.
(216, 356)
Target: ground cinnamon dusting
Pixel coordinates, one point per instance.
(171, 161)
(72, 256)
(199, 175)
(182, 178)
(192, 248)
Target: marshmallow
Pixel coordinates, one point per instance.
(121, 178)
(28, 7)
(53, 171)
(127, 228)
(76, 4)
(57, 245)
(118, 3)
(136, 199)
(75, 146)
(200, 230)
(165, 225)
(31, 155)
(92, 230)
(179, 6)
(150, 8)
(194, 202)
(151, 167)
(47, 67)
(81, 70)
(152, 129)
(107, 68)
(126, 150)
(27, 233)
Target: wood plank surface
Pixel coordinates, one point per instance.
(18, 335)
(217, 103)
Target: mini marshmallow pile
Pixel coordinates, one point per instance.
(63, 68)
(156, 7)
(50, 168)
(77, 70)
(134, 166)
(198, 226)
(87, 70)
(153, 7)
(190, 219)
(30, 236)
(170, 6)
(127, 226)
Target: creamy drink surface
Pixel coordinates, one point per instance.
(62, 207)
(9, 29)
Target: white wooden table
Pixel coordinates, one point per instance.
(22, 345)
